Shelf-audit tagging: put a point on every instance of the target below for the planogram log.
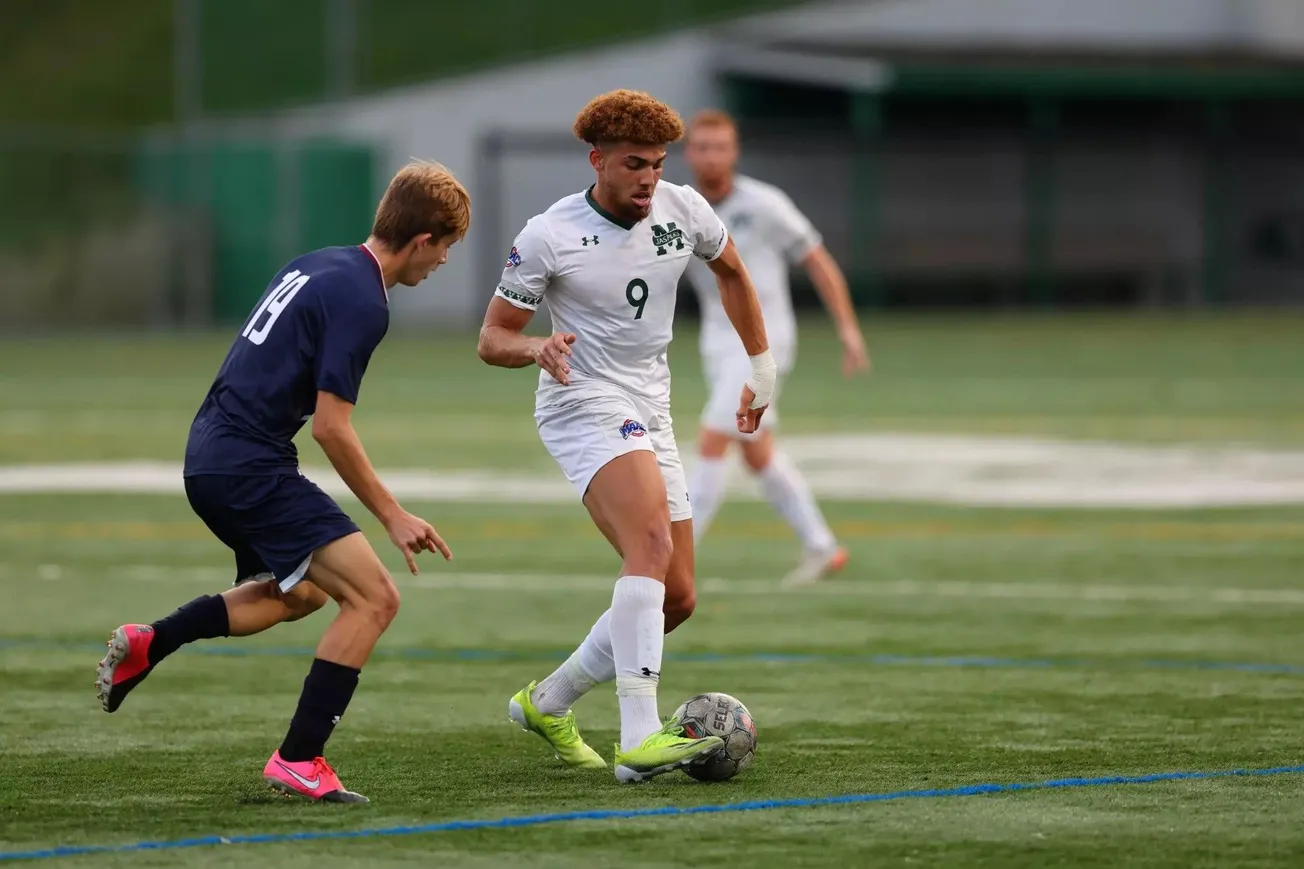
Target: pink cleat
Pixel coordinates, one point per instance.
(313, 779)
(125, 665)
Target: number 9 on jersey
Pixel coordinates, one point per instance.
(636, 295)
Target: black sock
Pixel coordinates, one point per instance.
(202, 619)
(326, 694)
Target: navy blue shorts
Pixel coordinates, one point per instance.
(273, 524)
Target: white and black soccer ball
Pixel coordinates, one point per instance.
(723, 716)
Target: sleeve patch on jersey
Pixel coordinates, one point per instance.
(513, 259)
(719, 246)
(804, 246)
(518, 298)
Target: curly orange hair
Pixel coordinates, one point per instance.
(628, 116)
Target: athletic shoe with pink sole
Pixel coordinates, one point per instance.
(125, 665)
(815, 566)
(313, 779)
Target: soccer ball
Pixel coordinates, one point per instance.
(718, 715)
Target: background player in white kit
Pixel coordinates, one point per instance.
(771, 234)
(609, 261)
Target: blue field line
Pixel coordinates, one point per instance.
(777, 658)
(659, 811)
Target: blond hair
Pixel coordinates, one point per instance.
(628, 116)
(712, 118)
(423, 197)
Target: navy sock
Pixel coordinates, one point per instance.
(326, 694)
(202, 619)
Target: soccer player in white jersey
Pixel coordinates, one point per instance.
(771, 234)
(608, 260)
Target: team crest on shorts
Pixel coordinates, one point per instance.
(632, 428)
(513, 259)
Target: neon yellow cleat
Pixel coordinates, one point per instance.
(559, 731)
(666, 750)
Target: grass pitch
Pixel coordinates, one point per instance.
(962, 647)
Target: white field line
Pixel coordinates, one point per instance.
(975, 471)
(159, 478)
(543, 583)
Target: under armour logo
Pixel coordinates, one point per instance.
(588, 238)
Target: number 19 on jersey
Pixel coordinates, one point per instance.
(273, 305)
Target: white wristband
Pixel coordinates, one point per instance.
(764, 374)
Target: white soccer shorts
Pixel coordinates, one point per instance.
(585, 426)
(725, 375)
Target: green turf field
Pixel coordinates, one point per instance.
(964, 647)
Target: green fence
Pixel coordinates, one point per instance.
(263, 203)
(111, 231)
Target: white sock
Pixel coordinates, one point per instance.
(706, 492)
(786, 489)
(637, 625)
(589, 665)
(594, 653)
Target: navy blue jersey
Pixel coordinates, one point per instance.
(313, 329)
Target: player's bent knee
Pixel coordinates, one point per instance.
(759, 452)
(389, 602)
(303, 600)
(349, 570)
(679, 607)
(712, 444)
(381, 600)
(650, 551)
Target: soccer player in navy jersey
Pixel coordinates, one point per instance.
(302, 354)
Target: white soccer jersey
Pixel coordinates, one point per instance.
(613, 283)
(771, 235)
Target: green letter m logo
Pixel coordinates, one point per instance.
(664, 236)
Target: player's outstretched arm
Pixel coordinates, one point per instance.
(744, 310)
(503, 343)
(831, 285)
(332, 428)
